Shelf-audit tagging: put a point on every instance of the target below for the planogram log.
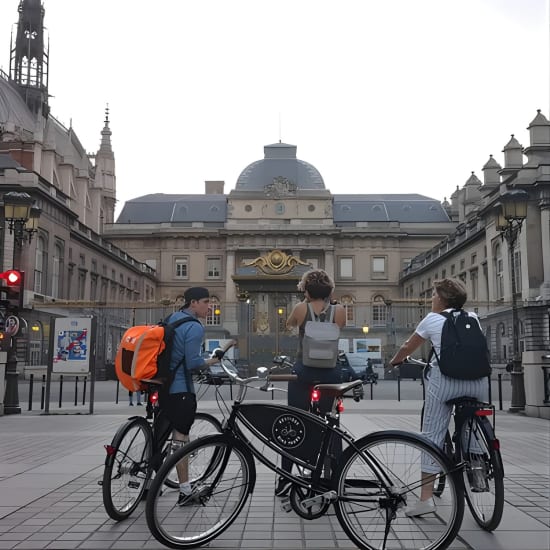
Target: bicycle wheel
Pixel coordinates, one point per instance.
(204, 424)
(483, 474)
(378, 477)
(127, 468)
(439, 485)
(222, 475)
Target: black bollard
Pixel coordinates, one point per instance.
(398, 388)
(117, 387)
(84, 391)
(499, 391)
(371, 396)
(43, 392)
(75, 390)
(31, 382)
(60, 389)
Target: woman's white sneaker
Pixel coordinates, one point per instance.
(420, 508)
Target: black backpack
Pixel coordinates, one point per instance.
(464, 353)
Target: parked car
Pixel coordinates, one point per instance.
(354, 367)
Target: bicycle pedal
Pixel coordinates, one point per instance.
(285, 505)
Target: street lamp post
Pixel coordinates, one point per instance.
(280, 312)
(513, 212)
(22, 218)
(390, 333)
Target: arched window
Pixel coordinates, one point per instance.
(379, 312)
(214, 317)
(347, 302)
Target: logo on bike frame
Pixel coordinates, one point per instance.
(288, 431)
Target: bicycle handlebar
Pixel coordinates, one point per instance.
(283, 377)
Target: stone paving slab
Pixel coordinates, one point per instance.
(49, 496)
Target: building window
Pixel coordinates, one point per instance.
(474, 281)
(378, 266)
(180, 268)
(57, 270)
(347, 302)
(39, 265)
(517, 270)
(214, 316)
(443, 273)
(213, 268)
(379, 312)
(499, 273)
(453, 270)
(345, 267)
(474, 259)
(462, 263)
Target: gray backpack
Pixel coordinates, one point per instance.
(320, 343)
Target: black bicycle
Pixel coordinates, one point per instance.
(376, 476)
(137, 450)
(475, 446)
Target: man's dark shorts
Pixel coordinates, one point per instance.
(180, 408)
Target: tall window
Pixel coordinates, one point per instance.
(473, 278)
(345, 266)
(214, 317)
(57, 270)
(347, 302)
(378, 266)
(499, 272)
(180, 268)
(517, 270)
(213, 268)
(379, 311)
(40, 265)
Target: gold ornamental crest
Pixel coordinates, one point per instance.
(275, 262)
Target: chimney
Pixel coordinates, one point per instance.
(214, 187)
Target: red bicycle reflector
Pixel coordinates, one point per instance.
(110, 450)
(484, 412)
(496, 444)
(315, 395)
(340, 406)
(154, 397)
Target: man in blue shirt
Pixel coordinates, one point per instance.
(180, 404)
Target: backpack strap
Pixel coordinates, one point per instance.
(173, 326)
(322, 317)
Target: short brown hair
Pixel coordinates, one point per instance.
(317, 283)
(452, 292)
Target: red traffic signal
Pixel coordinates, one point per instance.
(12, 277)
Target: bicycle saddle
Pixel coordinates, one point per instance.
(337, 390)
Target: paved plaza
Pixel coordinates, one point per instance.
(50, 498)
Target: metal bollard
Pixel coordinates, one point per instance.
(60, 389)
(75, 391)
(499, 391)
(84, 391)
(117, 388)
(399, 388)
(43, 392)
(371, 385)
(31, 382)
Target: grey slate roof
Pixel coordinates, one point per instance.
(347, 209)
(13, 108)
(159, 208)
(6, 161)
(279, 162)
(403, 208)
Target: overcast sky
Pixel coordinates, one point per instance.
(391, 96)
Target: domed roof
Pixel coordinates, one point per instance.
(280, 165)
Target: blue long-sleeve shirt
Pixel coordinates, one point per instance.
(187, 346)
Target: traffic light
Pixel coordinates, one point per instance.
(12, 289)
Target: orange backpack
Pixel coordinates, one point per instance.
(144, 354)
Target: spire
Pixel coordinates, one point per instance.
(29, 57)
(106, 134)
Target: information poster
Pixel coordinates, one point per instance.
(72, 345)
(211, 344)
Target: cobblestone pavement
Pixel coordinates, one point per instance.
(50, 498)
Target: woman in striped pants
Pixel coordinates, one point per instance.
(447, 295)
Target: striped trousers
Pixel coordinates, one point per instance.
(437, 413)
